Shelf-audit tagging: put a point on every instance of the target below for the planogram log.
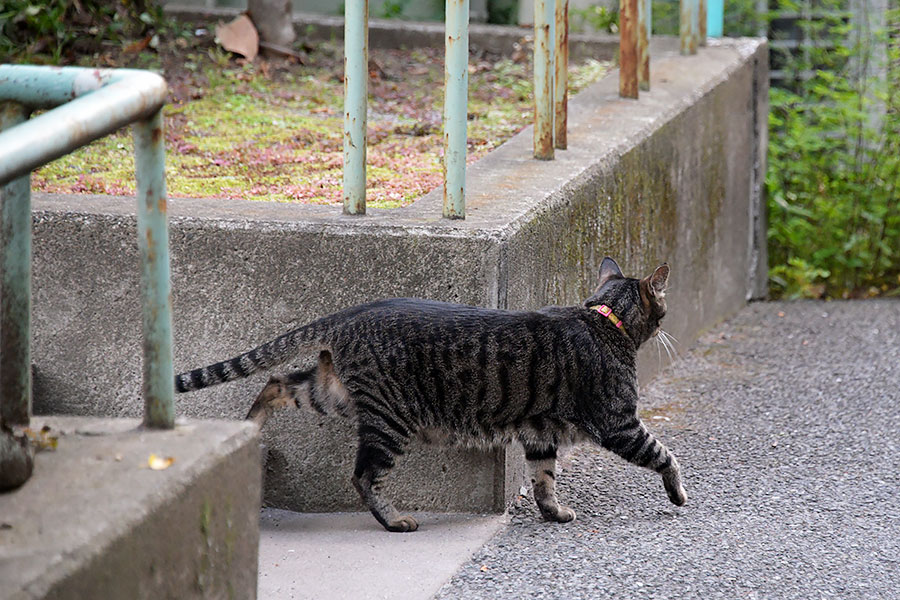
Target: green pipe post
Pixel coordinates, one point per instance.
(645, 25)
(544, 43)
(15, 287)
(689, 26)
(456, 102)
(156, 295)
(356, 80)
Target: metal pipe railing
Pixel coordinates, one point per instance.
(645, 20)
(90, 103)
(544, 44)
(628, 48)
(561, 76)
(15, 287)
(689, 26)
(456, 99)
(356, 86)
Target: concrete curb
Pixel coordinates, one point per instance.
(95, 522)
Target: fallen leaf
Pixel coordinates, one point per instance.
(158, 463)
(239, 36)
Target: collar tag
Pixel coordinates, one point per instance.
(608, 313)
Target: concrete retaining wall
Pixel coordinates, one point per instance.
(672, 177)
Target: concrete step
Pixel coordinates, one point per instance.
(349, 555)
(94, 521)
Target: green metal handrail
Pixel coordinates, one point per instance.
(89, 104)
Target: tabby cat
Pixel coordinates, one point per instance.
(476, 376)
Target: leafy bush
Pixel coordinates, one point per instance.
(57, 31)
(834, 170)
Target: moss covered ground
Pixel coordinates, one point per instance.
(272, 130)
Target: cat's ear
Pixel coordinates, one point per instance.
(608, 270)
(659, 280)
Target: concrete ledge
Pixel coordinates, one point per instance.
(674, 176)
(95, 522)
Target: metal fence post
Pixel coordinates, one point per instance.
(456, 101)
(156, 297)
(15, 287)
(645, 26)
(356, 85)
(689, 26)
(561, 77)
(628, 48)
(543, 79)
(701, 23)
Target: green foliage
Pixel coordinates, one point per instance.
(741, 18)
(834, 170)
(56, 31)
(595, 18)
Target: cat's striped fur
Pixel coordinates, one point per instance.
(455, 373)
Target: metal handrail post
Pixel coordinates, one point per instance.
(356, 85)
(456, 98)
(628, 48)
(561, 76)
(645, 26)
(701, 23)
(543, 78)
(156, 295)
(689, 26)
(15, 287)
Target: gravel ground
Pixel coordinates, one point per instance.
(785, 421)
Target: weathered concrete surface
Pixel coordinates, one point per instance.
(386, 33)
(674, 176)
(349, 555)
(95, 522)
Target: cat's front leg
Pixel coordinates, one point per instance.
(633, 442)
(543, 479)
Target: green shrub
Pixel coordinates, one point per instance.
(833, 180)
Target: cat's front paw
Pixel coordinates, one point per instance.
(676, 493)
(560, 514)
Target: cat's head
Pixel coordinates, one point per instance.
(639, 303)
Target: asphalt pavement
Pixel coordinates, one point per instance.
(786, 422)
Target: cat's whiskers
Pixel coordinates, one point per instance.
(667, 340)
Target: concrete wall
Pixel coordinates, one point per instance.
(674, 176)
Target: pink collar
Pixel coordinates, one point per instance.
(608, 313)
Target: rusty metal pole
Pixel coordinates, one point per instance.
(356, 89)
(689, 26)
(543, 79)
(156, 295)
(701, 22)
(628, 48)
(645, 24)
(15, 287)
(561, 76)
(456, 102)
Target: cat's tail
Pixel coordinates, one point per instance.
(266, 356)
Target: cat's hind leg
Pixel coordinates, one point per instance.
(382, 437)
(633, 442)
(281, 391)
(543, 479)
